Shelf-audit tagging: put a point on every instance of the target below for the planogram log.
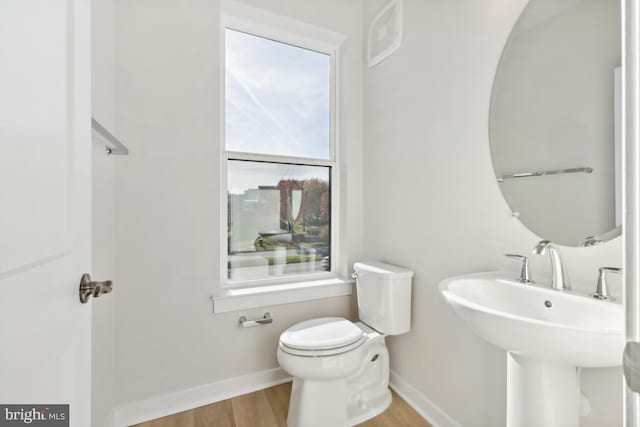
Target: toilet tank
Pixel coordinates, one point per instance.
(384, 296)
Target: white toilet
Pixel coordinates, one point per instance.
(341, 368)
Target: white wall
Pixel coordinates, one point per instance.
(103, 339)
(432, 203)
(167, 218)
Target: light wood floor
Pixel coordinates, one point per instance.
(268, 408)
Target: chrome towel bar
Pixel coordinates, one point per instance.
(115, 147)
(583, 169)
(246, 323)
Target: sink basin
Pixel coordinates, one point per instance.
(547, 334)
(537, 321)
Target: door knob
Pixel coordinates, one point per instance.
(89, 288)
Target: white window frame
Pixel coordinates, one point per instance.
(239, 17)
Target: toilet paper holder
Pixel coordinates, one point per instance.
(246, 323)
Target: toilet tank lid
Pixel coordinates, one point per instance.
(382, 269)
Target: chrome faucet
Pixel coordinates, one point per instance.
(602, 291)
(559, 279)
(525, 272)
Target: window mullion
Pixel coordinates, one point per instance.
(266, 158)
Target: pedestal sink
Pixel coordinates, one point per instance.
(547, 334)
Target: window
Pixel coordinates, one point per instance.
(279, 158)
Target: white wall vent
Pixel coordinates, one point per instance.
(385, 33)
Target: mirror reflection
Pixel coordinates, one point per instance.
(554, 121)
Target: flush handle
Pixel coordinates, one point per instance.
(90, 288)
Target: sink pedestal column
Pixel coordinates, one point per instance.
(541, 394)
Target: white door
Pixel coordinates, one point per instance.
(631, 222)
(45, 216)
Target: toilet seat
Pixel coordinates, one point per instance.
(320, 353)
(323, 336)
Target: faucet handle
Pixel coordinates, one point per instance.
(525, 273)
(541, 247)
(602, 292)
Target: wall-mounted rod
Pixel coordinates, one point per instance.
(115, 146)
(246, 323)
(584, 169)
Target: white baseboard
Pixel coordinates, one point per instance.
(172, 403)
(423, 406)
(161, 406)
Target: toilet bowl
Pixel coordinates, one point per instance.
(339, 386)
(341, 368)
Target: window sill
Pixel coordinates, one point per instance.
(235, 299)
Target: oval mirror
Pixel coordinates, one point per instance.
(554, 121)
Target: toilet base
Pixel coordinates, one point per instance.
(322, 403)
(368, 391)
(317, 403)
(374, 407)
